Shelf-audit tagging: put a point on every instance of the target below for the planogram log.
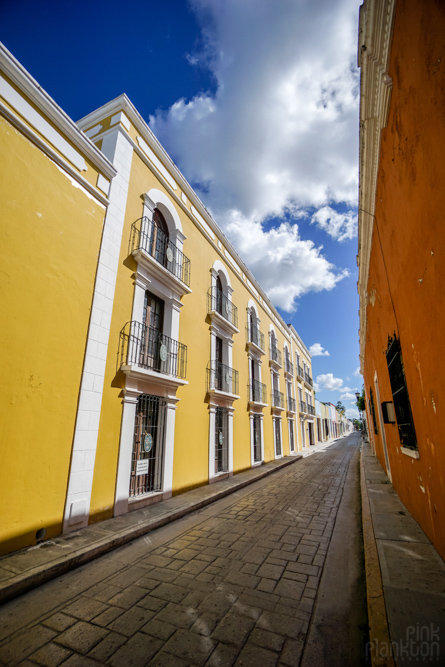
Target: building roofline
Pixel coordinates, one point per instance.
(298, 337)
(123, 103)
(373, 53)
(44, 102)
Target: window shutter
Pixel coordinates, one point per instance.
(402, 405)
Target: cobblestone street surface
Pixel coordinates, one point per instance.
(234, 584)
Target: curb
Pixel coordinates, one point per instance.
(42, 574)
(379, 637)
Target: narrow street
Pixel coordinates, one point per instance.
(272, 574)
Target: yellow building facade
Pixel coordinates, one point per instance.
(145, 359)
(53, 193)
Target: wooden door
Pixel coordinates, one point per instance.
(153, 321)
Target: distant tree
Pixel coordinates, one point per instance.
(361, 400)
(340, 408)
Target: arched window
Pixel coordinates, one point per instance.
(253, 327)
(219, 295)
(159, 240)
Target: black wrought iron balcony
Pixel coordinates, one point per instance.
(277, 398)
(148, 348)
(300, 371)
(308, 379)
(303, 407)
(221, 378)
(148, 237)
(291, 404)
(288, 365)
(275, 354)
(257, 391)
(310, 409)
(219, 303)
(255, 336)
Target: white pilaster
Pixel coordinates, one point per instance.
(212, 412)
(118, 149)
(252, 441)
(149, 207)
(262, 437)
(167, 477)
(229, 362)
(138, 299)
(230, 426)
(171, 318)
(125, 452)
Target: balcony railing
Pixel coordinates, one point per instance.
(303, 407)
(300, 371)
(291, 404)
(149, 348)
(275, 354)
(221, 378)
(147, 236)
(308, 379)
(277, 398)
(257, 391)
(288, 365)
(255, 336)
(310, 409)
(218, 302)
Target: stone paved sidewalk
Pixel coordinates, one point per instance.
(234, 584)
(25, 569)
(405, 577)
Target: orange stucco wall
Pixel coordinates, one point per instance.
(407, 270)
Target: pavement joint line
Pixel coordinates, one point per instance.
(377, 616)
(26, 581)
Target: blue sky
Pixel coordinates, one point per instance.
(257, 102)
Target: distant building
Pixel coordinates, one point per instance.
(140, 356)
(401, 256)
(305, 395)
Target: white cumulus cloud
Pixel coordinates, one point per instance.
(347, 396)
(329, 382)
(317, 350)
(278, 137)
(285, 265)
(352, 413)
(341, 226)
(357, 371)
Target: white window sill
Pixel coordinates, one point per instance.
(413, 453)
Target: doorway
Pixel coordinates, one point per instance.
(148, 445)
(221, 440)
(277, 426)
(152, 353)
(256, 439)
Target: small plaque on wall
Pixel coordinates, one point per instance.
(389, 416)
(142, 467)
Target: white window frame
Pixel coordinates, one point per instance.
(170, 291)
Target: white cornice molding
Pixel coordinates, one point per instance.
(29, 86)
(53, 155)
(374, 49)
(296, 336)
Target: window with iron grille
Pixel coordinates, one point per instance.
(221, 440)
(278, 437)
(372, 411)
(291, 436)
(148, 445)
(257, 439)
(400, 397)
